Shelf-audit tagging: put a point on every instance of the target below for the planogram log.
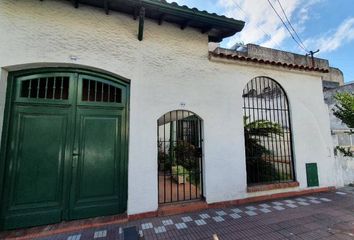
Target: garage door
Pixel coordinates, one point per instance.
(66, 149)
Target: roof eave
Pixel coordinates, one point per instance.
(217, 27)
(226, 27)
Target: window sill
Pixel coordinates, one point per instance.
(272, 186)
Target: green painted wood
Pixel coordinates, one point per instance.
(141, 23)
(21, 79)
(63, 160)
(312, 175)
(97, 188)
(34, 179)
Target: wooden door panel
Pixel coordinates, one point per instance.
(35, 176)
(97, 184)
(66, 148)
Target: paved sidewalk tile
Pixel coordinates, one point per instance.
(221, 213)
(279, 208)
(264, 205)
(236, 210)
(235, 215)
(204, 216)
(265, 210)
(251, 213)
(319, 216)
(200, 222)
(181, 225)
(218, 219)
(160, 229)
(187, 219)
(100, 234)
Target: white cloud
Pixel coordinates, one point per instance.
(262, 25)
(265, 28)
(334, 38)
(304, 11)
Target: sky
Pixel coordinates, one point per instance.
(326, 25)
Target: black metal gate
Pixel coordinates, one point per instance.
(267, 128)
(179, 157)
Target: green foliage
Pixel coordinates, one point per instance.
(258, 169)
(262, 128)
(181, 159)
(262, 171)
(186, 153)
(188, 159)
(344, 110)
(164, 159)
(345, 151)
(256, 129)
(179, 170)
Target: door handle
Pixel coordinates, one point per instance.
(76, 154)
(75, 159)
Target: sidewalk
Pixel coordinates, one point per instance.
(319, 216)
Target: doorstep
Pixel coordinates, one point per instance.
(186, 207)
(272, 186)
(165, 210)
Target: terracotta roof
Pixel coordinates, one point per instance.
(236, 56)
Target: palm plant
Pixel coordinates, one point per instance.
(258, 169)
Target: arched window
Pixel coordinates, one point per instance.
(179, 156)
(267, 129)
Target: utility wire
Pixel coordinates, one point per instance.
(287, 28)
(308, 53)
(287, 19)
(268, 35)
(259, 27)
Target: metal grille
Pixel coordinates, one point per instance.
(95, 91)
(45, 88)
(179, 157)
(267, 129)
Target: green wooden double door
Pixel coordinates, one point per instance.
(66, 149)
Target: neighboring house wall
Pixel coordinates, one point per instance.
(334, 75)
(336, 123)
(168, 68)
(340, 136)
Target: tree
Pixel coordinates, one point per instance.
(344, 110)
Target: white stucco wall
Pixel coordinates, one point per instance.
(168, 67)
(345, 165)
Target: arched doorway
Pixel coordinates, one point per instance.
(179, 157)
(267, 129)
(66, 147)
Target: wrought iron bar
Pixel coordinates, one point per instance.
(180, 161)
(269, 152)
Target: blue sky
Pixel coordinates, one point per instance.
(322, 24)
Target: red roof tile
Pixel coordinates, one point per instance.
(267, 62)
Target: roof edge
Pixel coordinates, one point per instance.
(235, 57)
(217, 27)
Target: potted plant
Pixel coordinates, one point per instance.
(180, 174)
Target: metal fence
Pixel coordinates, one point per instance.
(179, 157)
(267, 129)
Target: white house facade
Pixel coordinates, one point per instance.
(84, 104)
